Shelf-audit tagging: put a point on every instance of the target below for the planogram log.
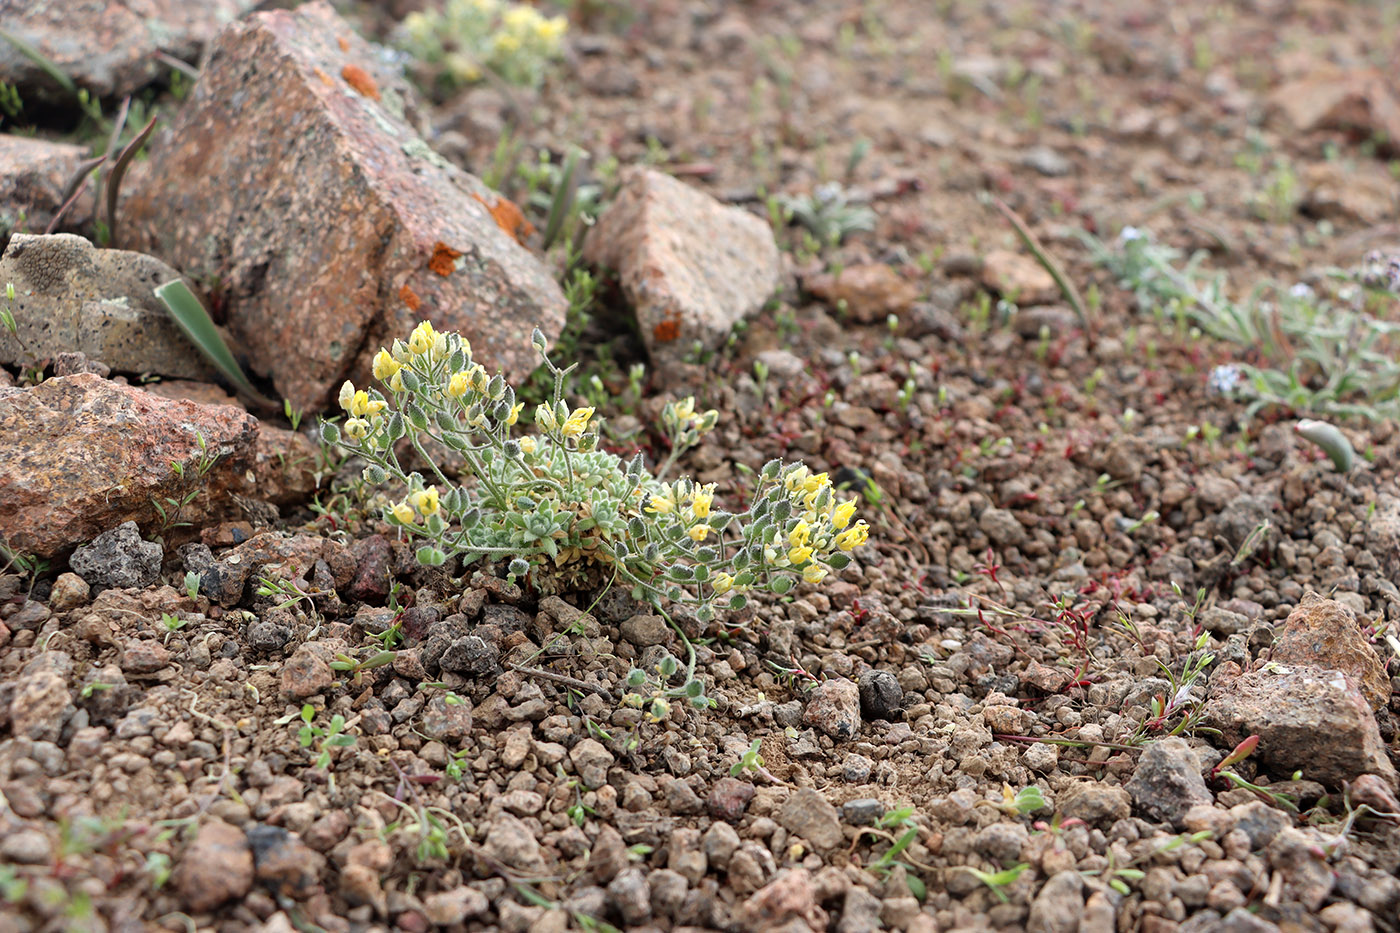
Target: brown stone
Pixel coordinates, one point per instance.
(217, 867)
(690, 267)
(82, 455)
(1306, 718)
(73, 297)
(1018, 278)
(1361, 193)
(106, 46)
(1323, 633)
(315, 205)
(33, 176)
(788, 902)
(869, 293)
(1362, 102)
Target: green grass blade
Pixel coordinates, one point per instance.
(42, 60)
(565, 193)
(187, 312)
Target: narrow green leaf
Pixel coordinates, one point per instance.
(40, 59)
(187, 312)
(564, 196)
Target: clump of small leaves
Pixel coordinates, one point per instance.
(751, 760)
(1329, 352)
(828, 213)
(467, 39)
(325, 738)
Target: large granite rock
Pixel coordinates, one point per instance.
(33, 175)
(690, 267)
(106, 46)
(71, 297)
(80, 455)
(294, 178)
(1306, 718)
(1323, 633)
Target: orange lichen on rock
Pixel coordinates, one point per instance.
(325, 78)
(344, 43)
(508, 217)
(360, 80)
(669, 329)
(444, 260)
(410, 298)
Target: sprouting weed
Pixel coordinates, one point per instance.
(751, 760)
(996, 881)
(324, 738)
(828, 214)
(1317, 353)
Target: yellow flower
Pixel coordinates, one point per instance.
(793, 482)
(457, 386)
(422, 338)
(552, 30)
(544, 416)
(800, 555)
(347, 394)
(399, 352)
(843, 514)
(396, 382)
(404, 513)
(816, 482)
(658, 710)
(699, 533)
(853, 537)
(376, 407)
(722, 583)
(814, 573)
(426, 500)
(577, 422)
(685, 409)
(527, 444)
(514, 413)
(479, 378)
(798, 536)
(661, 505)
(521, 18)
(356, 429)
(359, 403)
(384, 365)
(462, 67)
(506, 42)
(700, 505)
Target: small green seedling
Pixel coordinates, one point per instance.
(324, 738)
(1024, 802)
(173, 623)
(751, 760)
(355, 668)
(996, 881)
(192, 582)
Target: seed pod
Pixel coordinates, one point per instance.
(1331, 440)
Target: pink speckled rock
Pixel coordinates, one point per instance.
(80, 455)
(690, 267)
(33, 173)
(106, 46)
(294, 179)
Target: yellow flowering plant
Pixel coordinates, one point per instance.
(554, 499)
(462, 38)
